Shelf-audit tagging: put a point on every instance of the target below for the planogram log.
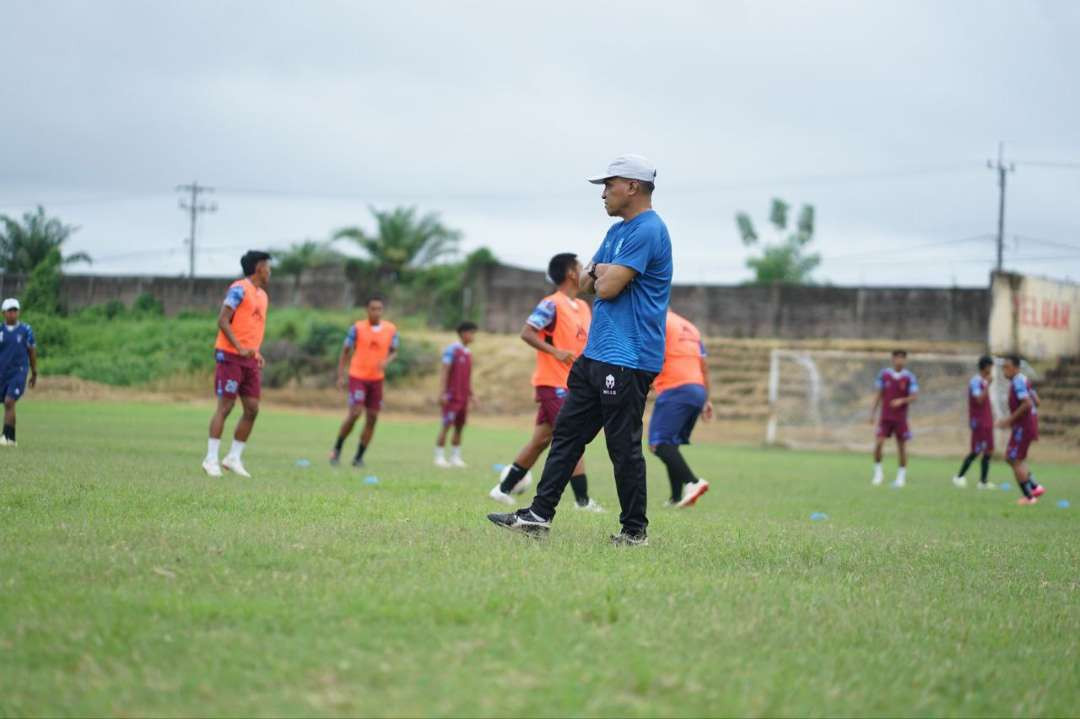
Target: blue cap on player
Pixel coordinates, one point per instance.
(630, 167)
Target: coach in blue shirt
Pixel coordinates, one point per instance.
(631, 277)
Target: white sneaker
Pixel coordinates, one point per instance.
(592, 506)
(235, 466)
(441, 462)
(211, 467)
(898, 483)
(982, 485)
(960, 482)
(692, 492)
(458, 462)
(500, 496)
(3, 441)
(877, 480)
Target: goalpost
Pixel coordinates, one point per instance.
(822, 399)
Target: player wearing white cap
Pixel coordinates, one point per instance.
(18, 352)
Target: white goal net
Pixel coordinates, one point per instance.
(822, 399)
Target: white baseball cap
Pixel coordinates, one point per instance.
(632, 167)
(10, 304)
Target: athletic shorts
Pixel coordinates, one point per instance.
(550, 401)
(888, 427)
(982, 440)
(368, 392)
(13, 383)
(1019, 441)
(237, 376)
(675, 413)
(455, 414)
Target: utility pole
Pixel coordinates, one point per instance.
(194, 206)
(1002, 170)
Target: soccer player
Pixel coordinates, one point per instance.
(630, 274)
(241, 325)
(682, 395)
(1023, 423)
(370, 346)
(897, 389)
(557, 329)
(455, 379)
(18, 350)
(981, 419)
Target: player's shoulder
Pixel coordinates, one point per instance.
(390, 326)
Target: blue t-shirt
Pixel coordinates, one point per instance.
(13, 344)
(629, 330)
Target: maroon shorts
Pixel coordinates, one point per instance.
(455, 414)
(551, 401)
(236, 375)
(982, 440)
(888, 427)
(1019, 441)
(367, 392)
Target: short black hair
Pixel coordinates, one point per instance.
(559, 265)
(986, 361)
(1014, 360)
(251, 260)
(375, 297)
(466, 326)
(646, 186)
(899, 353)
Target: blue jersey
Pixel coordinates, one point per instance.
(629, 329)
(14, 343)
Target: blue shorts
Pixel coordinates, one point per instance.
(675, 414)
(13, 383)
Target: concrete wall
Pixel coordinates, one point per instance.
(790, 312)
(1035, 317)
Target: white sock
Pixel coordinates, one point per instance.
(877, 469)
(901, 474)
(455, 452)
(213, 446)
(440, 453)
(237, 449)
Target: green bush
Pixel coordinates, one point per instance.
(148, 305)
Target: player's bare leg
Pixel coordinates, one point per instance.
(233, 460)
(540, 441)
(365, 437)
(211, 465)
(455, 449)
(9, 421)
(879, 445)
(901, 471)
(347, 424)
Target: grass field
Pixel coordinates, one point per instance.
(130, 584)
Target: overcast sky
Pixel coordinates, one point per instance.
(301, 115)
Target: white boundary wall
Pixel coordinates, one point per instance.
(1035, 317)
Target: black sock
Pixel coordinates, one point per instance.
(1031, 475)
(985, 468)
(9, 432)
(338, 444)
(1025, 487)
(360, 449)
(967, 463)
(512, 478)
(580, 484)
(679, 472)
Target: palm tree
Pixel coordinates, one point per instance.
(303, 256)
(26, 244)
(404, 241)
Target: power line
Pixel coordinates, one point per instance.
(195, 207)
(909, 248)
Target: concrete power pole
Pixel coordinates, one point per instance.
(194, 206)
(1002, 170)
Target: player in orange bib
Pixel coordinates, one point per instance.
(370, 345)
(557, 329)
(241, 325)
(682, 395)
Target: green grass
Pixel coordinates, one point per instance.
(130, 584)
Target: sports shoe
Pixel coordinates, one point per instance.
(335, 457)
(898, 483)
(358, 462)
(692, 492)
(1038, 491)
(441, 462)
(3, 441)
(623, 539)
(984, 485)
(877, 480)
(524, 520)
(1027, 500)
(211, 467)
(500, 496)
(959, 482)
(592, 506)
(235, 466)
(458, 462)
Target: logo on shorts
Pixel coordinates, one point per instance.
(609, 384)
(231, 386)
